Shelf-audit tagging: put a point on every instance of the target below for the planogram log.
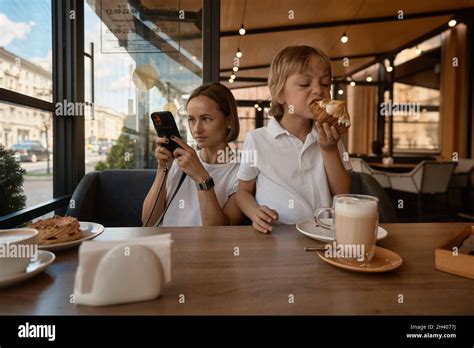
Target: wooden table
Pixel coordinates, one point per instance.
(267, 272)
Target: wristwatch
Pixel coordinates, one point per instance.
(206, 184)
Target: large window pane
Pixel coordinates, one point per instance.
(25, 47)
(26, 68)
(140, 66)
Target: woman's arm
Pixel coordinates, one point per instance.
(212, 213)
(149, 217)
(164, 158)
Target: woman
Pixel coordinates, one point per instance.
(206, 197)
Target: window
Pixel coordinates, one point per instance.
(25, 56)
(130, 76)
(416, 121)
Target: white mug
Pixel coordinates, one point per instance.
(18, 247)
(355, 224)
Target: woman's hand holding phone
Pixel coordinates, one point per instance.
(163, 156)
(188, 160)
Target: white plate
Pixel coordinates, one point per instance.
(45, 258)
(89, 230)
(309, 229)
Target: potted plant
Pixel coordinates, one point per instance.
(11, 183)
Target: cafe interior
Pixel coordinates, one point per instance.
(404, 69)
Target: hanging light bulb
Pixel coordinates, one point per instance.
(369, 79)
(352, 84)
(232, 76)
(340, 92)
(256, 106)
(231, 80)
(235, 68)
(389, 68)
(239, 53)
(259, 108)
(242, 30)
(452, 23)
(344, 38)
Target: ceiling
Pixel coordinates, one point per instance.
(373, 30)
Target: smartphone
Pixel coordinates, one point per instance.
(165, 126)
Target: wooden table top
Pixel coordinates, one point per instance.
(268, 272)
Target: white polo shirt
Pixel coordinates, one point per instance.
(184, 209)
(290, 174)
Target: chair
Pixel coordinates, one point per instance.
(113, 198)
(461, 180)
(427, 177)
(363, 183)
(361, 166)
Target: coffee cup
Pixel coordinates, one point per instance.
(354, 225)
(17, 248)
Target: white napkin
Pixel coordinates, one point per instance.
(112, 272)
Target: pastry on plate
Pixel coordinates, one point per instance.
(57, 229)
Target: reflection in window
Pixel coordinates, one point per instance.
(140, 66)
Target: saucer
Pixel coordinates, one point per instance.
(45, 258)
(309, 229)
(384, 260)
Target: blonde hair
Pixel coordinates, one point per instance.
(289, 61)
(225, 100)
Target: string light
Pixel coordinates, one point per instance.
(389, 68)
(418, 50)
(340, 92)
(242, 30)
(231, 80)
(452, 23)
(232, 76)
(256, 106)
(352, 84)
(239, 53)
(369, 79)
(344, 38)
(235, 68)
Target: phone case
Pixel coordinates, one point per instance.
(165, 126)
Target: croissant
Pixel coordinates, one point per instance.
(337, 114)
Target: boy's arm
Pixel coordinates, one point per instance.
(338, 178)
(261, 216)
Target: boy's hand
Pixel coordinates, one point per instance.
(328, 136)
(263, 218)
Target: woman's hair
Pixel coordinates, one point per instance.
(289, 61)
(225, 100)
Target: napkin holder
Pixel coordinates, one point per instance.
(447, 260)
(122, 272)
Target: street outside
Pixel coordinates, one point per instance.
(38, 185)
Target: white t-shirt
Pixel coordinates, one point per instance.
(290, 174)
(184, 209)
